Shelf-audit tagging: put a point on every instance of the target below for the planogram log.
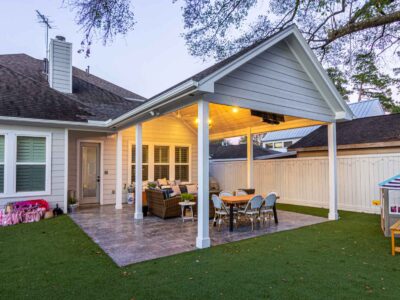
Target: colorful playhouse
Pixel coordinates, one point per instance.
(390, 203)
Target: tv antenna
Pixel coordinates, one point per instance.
(42, 19)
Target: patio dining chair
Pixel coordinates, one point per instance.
(252, 209)
(267, 209)
(221, 212)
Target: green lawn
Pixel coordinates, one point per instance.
(347, 259)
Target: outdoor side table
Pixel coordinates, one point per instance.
(395, 229)
(184, 205)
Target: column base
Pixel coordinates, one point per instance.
(333, 215)
(202, 243)
(138, 216)
(118, 206)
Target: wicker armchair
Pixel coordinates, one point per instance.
(162, 207)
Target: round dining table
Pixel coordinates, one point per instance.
(231, 201)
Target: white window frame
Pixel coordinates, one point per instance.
(10, 163)
(151, 164)
(4, 163)
(131, 163)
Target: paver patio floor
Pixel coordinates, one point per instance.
(129, 241)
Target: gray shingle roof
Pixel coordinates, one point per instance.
(375, 129)
(218, 151)
(25, 92)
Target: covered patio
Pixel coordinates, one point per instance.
(271, 86)
(129, 241)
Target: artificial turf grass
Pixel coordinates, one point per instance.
(349, 259)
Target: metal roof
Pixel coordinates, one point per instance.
(362, 109)
(392, 183)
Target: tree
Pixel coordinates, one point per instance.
(370, 83)
(340, 81)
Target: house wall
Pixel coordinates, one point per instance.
(163, 130)
(56, 194)
(304, 181)
(276, 80)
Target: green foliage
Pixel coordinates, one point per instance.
(151, 185)
(370, 83)
(187, 197)
(339, 80)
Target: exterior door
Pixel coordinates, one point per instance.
(90, 173)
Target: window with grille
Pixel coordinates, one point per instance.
(182, 163)
(145, 163)
(2, 143)
(161, 162)
(30, 164)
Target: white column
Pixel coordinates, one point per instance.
(66, 143)
(250, 177)
(333, 194)
(203, 237)
(118, 172)
(138, 173)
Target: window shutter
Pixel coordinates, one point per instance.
(161, 154)
(1, 149)
(31, 178)
(182, 155)
(31, 149)
(161, 171)
(145, 154)
(182, 172)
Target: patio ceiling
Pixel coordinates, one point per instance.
(229, 121)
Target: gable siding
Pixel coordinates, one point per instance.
(60, 71)
(276, 81)
(57, 165)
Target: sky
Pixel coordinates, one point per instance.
(147, 60)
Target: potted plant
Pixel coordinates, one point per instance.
(151, 185)
(187, 197)
(72, 204)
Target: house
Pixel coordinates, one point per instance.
(65, 130)
(220, 152)
(371, 135)
(282, 140)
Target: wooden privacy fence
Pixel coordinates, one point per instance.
(304, 181)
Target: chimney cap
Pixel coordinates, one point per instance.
(60, 38)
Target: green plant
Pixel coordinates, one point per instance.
(187, 197)
(71, 200)
(151, 185)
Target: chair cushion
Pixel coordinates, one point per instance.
(192, 189)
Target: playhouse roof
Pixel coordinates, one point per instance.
(392, 183)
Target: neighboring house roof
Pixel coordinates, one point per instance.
(25, 92)
(378, 129)
(366, 108)
(231, 152)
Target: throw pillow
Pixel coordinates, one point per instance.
(176, 190)
(191, 189)
(162, 181)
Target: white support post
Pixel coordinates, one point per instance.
(250, 176)
(203, 237)
(333, 193)
(138, 173)
(118, 171)
(66, 144)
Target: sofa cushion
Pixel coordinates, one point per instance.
(162, 181)
(192, 189)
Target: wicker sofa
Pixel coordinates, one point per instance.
(163, 207)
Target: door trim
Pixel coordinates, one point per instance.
(78, 164)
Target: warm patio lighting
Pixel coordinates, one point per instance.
(197, 121)
(235, 109)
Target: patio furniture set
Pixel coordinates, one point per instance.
(239, 206)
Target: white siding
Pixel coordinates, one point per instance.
(304, 181)
(166, 130)
(276, 80)
(57, 165)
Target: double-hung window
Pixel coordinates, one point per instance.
(161, 162)
(145, 163)
(30, 164)
(182, 163)
(2, 150)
